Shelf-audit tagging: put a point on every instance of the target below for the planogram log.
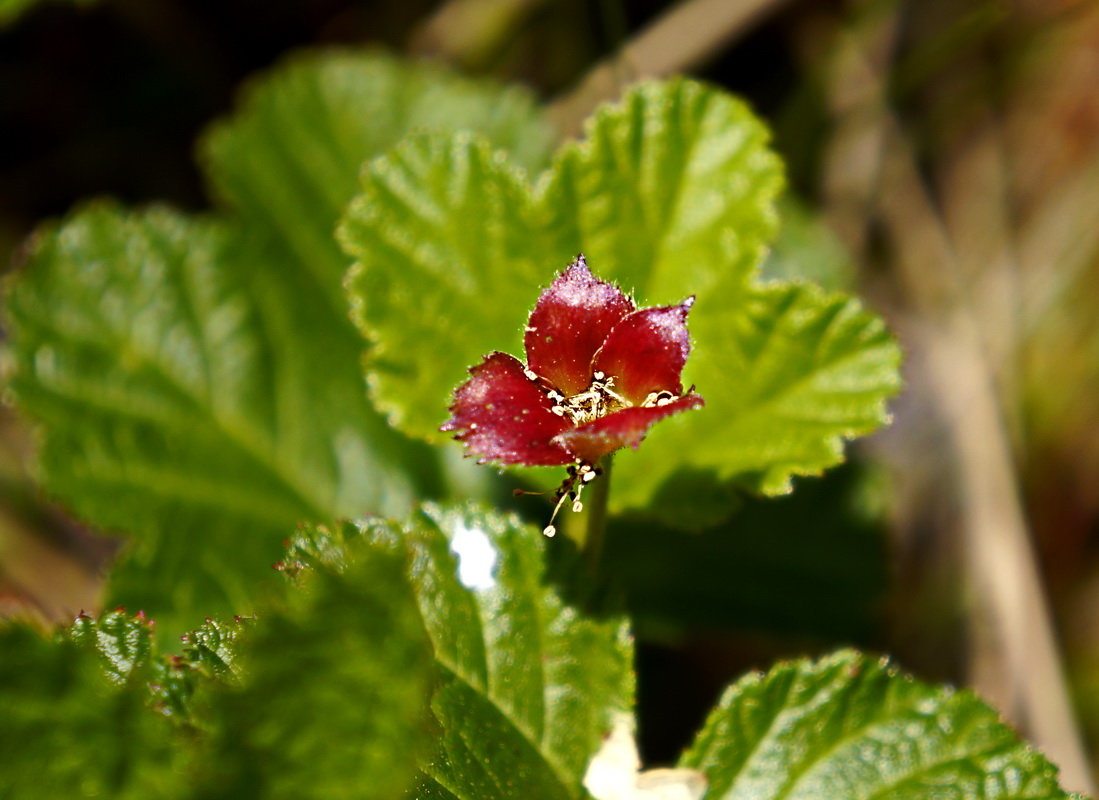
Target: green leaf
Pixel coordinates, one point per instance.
(853, 727)
(788, 374)
(69, 729)
(672, 195)
(671, 192)
(125, 643)
(323, 695)
(433, 289)
(178, 407)
(287, 161)
(198, 382)
(526, 686)
(333, 684)
(128, 652)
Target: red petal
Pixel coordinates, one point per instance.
(501, 415)
(621, 429)
(646, 351)
(569, 323)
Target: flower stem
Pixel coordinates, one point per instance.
(596, 528)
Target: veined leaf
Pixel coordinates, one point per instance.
(853, 727)
(128, 652)
(526, 686)
(323, 695)
(447, 252)
(788, 374)
(674, 191)
(671, 192)
(175, 408)
(198, 382)
(288, 160)
(125, 643)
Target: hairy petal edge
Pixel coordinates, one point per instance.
(501, 415)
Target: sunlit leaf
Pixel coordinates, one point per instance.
(526, 686)
(671, 195)
(853, 727)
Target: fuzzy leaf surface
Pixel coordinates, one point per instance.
(851, 726)
(448, 252)
(526, 686)
(198, 381)
(671, 195)
(176, 406)
(788, 374)
(287, 161)
(323, 695)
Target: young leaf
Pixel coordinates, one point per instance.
(788, 374)
(175, 406)
(128, 652)
(125, 644)
(324, 695)
(287, 161)
(526, 687)
(674, 191)
(850, 726)
(670, 193)
(447, 252)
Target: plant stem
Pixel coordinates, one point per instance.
(596, 528)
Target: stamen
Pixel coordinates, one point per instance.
(550, 529)
(578, 476)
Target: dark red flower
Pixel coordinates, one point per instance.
(599, 373)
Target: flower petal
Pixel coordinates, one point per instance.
(625, 428)
(646, 351)
(570, 321)
(501, 415)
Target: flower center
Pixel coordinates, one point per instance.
(599, 400)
